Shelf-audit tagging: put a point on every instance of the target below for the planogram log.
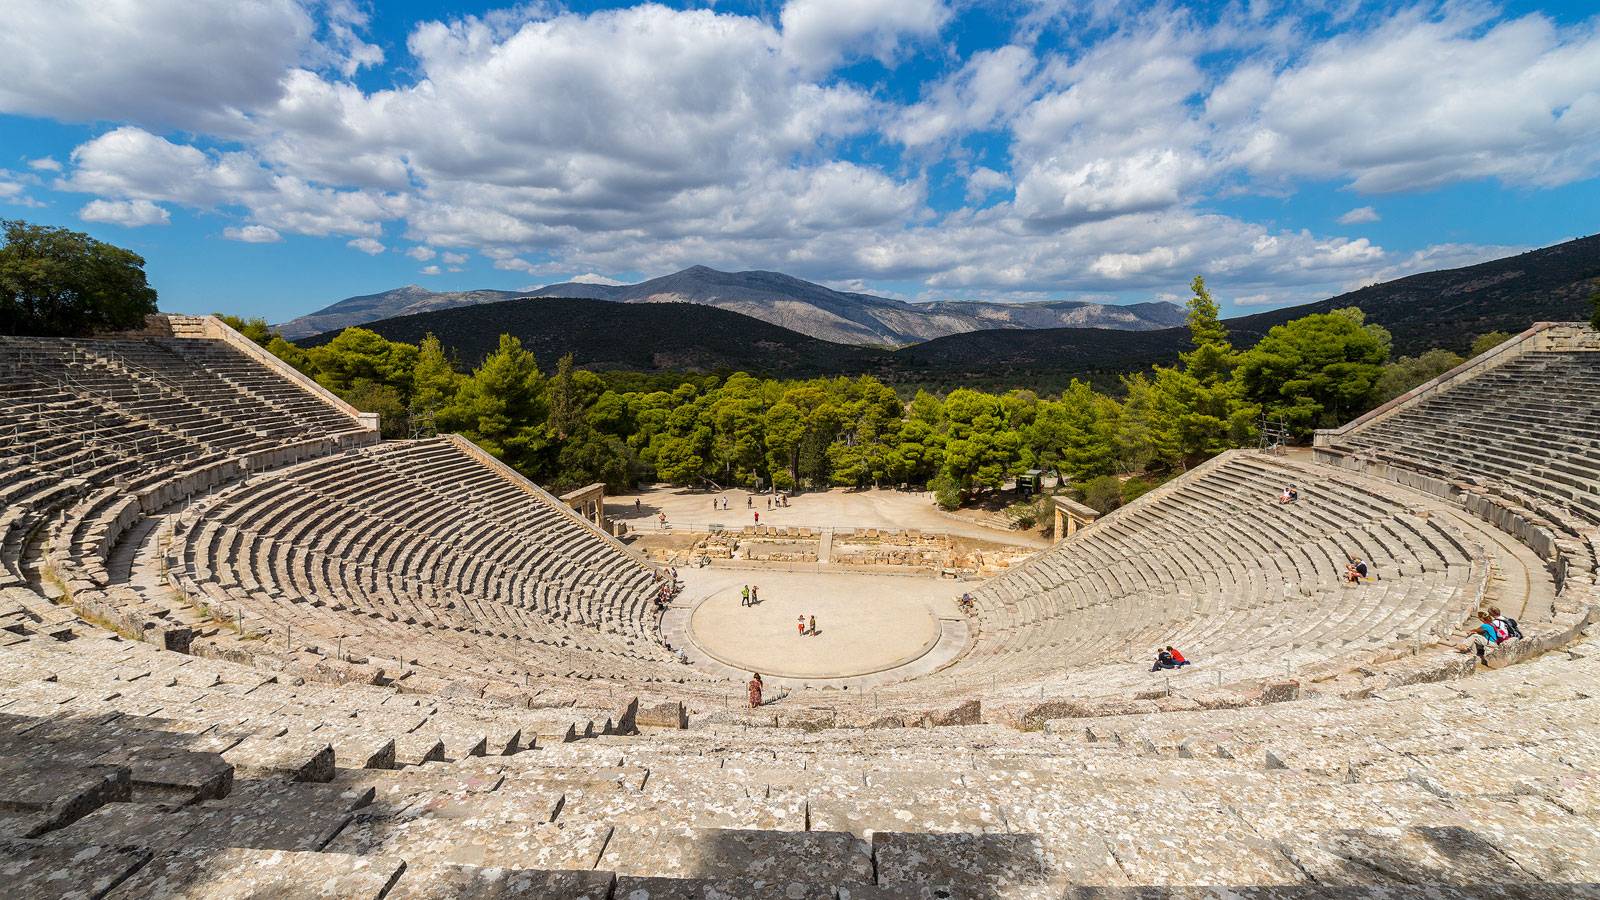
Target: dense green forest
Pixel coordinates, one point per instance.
(566, 426)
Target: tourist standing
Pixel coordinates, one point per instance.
(744, 596)
(755, 690)
(801, 625)
(813, 624)
(755, 595)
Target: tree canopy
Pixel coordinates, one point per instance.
(54, 281)
(1316, 371)
(567, 427)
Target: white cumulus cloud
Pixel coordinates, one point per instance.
(819, 34)
(369, 246)
(130, 213)
(1361, 215)
(252, 234)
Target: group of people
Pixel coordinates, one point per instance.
(1492, 629)
(750, 596)
(1168, 658)
(806, 629)
(666, 586)
(966, 602)
(774, 500)
(1290, 494)
(1355, 571)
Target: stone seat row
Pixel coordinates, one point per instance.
(1219, 568)
(1532, 424)
(424, 539)
(1449, 786)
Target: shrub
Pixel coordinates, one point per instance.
(1104, 493)
(1026, 513)
(1137, 487)
(946, 492)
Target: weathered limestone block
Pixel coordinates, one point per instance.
(33, 869)
(297, 760)
(669, 714)
(748, 855)
(633, 887)
(967, 713)
(1360, 856)
(155, 826)
(248, 874)
(988, 860)
(170, 774)
(429, 881)
(476, 842)
(62, 794)
(1280, 691)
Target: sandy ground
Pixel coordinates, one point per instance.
(838, 508)
(865, 623)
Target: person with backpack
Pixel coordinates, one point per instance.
(1504, 623)
(1481, 638)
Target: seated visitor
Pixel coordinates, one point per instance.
(1290, 494)
(1501, 632)
(1163, 661)
(1177, 658)
(1503, 622)
(1482, 637)
(1356, 571)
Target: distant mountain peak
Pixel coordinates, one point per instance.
(777, 298)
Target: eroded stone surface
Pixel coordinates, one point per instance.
(67, 872)
(237, 874)
(431, 881)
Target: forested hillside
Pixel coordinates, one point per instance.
(1447, 309)
(564, 425)
(644, 337)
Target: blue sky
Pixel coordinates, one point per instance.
(268, 158)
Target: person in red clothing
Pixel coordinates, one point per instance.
(1177, 658)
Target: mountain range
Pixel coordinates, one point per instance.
(1447, 308)
(783, 300)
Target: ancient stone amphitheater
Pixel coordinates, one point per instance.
(251, 650)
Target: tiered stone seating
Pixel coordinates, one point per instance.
(1214, 565)
(100, 433)
(1531, 425)
(223, 784)
(417, 674)
(403, 547)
